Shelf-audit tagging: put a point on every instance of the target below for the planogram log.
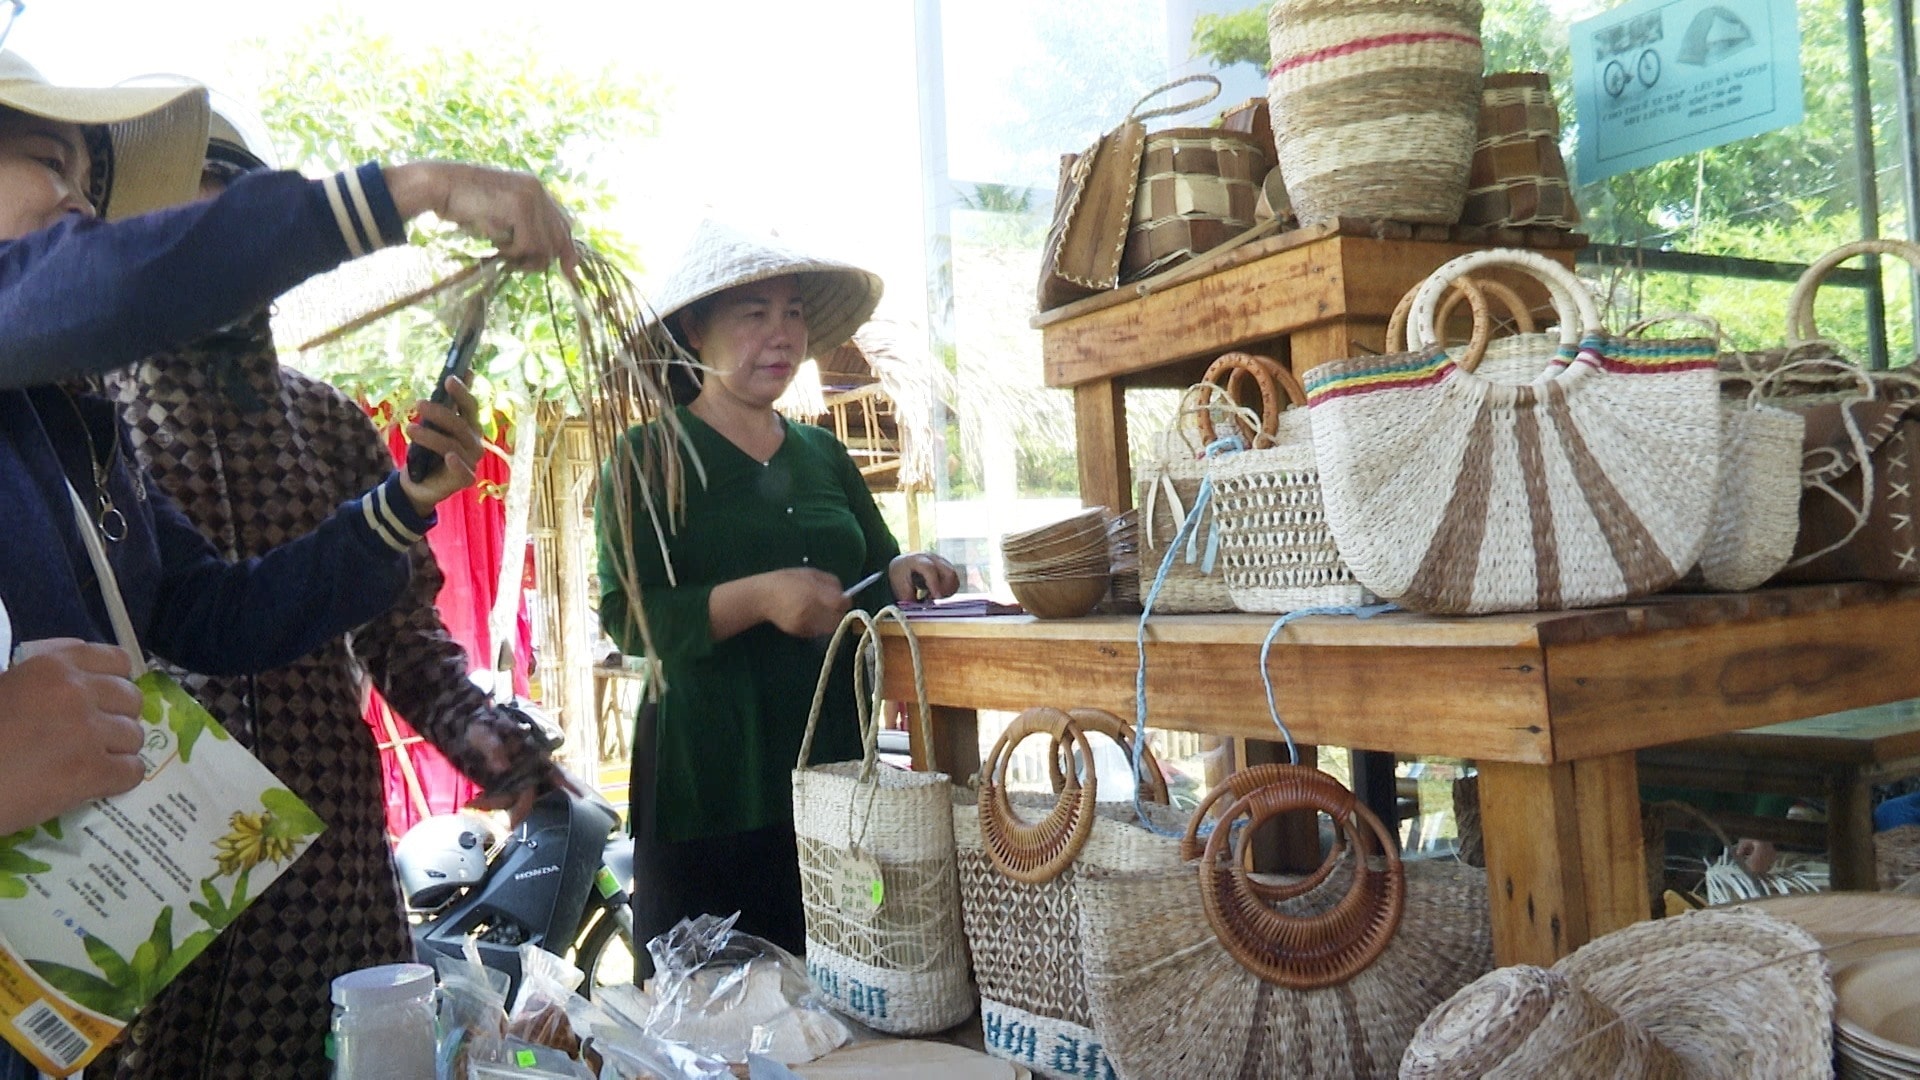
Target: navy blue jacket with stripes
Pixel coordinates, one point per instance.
(88, 296)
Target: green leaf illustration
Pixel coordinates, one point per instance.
(89, 990)
(219, 912)
(292, 819)
(111, 964)
(167, 704)
(12, 888)
(13, 861)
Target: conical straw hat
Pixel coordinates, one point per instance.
(839, 297)
(156, 136)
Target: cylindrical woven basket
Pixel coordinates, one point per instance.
(1025, 937)
(1199, 187)
(1897, 853)
(1375, 106)
(1171, 1001)
(899, 966)
(1518, 177)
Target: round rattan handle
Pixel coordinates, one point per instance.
(1397, 331)
(1226, 374)
(1304, 952)
(1579, 316)
(1518, 312)
(1800, 324)
(1152, 786)
(1036, 852)
(1239, 785)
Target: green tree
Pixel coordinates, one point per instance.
(338, 94)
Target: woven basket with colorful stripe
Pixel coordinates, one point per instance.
(1589, 485)
(1375, 106)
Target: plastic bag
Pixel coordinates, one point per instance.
(472, 1015)
(539, 1011)
(721, 992)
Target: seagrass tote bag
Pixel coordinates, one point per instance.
(1450, 494)
(1756, 502)
(1018, 855)
(1211, 970)
(1276, 552)
(877, 873)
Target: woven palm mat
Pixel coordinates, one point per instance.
(255, 1004)
(1897, 851)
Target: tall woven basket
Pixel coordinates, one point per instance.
(1229, 973)
(1016, 890)
(1276, 551)
(877, 872)
(1375, 106)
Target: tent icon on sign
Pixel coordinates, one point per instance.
(1715, 34)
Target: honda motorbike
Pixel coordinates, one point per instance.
(562, 880)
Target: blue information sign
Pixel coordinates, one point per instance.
(1655, 79)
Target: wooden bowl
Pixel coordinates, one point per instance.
(1061, 598)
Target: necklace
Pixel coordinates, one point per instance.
(106, 516)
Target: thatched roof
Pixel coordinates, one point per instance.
(891, 358)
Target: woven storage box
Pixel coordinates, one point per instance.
(895, 961)
(1518, 177)
(1173, 997)
(1276, 552)
(1375, 106)
(1024, 936)
(1199, 188)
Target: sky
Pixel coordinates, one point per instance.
(796, 118)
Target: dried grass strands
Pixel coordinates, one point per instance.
(620, 383)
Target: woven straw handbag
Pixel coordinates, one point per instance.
(1517, 177)
(877, 876)
(1375, 106)
(1252, 975)
(1016, 889)
(1861, 454)
(1276, 552)
(1448, 493)
(1756, 505)
(1199, 188)
(1168, 493)
(1091, 211)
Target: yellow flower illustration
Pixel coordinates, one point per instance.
(250, 841)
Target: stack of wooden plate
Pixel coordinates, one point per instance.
(1060, 571)
(1873, 943)
(1877, 1012)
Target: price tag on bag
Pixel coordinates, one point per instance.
(857, 885)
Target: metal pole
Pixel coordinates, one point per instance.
(1868, 185)
(936, 195)
(1903, 52)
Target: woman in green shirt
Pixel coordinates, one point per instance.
(757, 572)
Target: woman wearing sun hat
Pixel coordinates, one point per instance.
(758, 566)
(88, 282)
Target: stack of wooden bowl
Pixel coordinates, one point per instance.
(1060, 571)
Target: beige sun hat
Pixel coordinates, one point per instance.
(1728, 993)
(839, 297)
(155, 136)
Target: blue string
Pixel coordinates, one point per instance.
(1228, 445)
(1366, 611)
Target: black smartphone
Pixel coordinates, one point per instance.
(422, 462)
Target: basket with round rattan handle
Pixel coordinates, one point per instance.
(1309, 951)
(1037, 852)
(1153, 786)
(1279, 390)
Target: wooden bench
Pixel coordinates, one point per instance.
(1839, 758)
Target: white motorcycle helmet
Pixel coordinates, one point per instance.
(442, 855)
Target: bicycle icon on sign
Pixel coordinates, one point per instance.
(1617, 45)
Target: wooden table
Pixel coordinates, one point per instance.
(1551, 706)
(1837, 758)
(1305, 297)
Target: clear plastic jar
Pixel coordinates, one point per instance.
(383, 1023)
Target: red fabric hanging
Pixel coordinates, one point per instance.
(466, 542)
